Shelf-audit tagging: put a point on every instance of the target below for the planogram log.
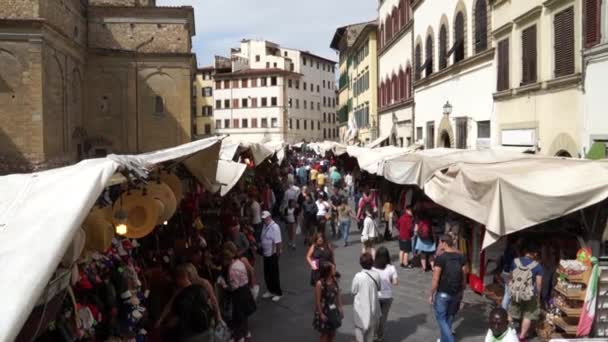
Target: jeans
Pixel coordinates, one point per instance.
(345, 229)
(385, 307)
(445, 306)
(507, 297)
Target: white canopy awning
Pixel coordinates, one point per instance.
(231, 146)
(377, 142)
(228, 175)
(370, 159)
(41, 212)
(512, 195)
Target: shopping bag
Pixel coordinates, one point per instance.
(298, 229)
(255, 291)
(222, 333)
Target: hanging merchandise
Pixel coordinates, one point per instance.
(99, 229)
(139, 212)
(174, 183)
(163, 193)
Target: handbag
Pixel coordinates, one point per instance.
(222, 333)
(334, 319)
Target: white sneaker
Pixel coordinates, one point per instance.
(276, 298)
(267, 295)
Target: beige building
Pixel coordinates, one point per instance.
(203, 108)
(538, 98)
(83, 79)
(358, 83)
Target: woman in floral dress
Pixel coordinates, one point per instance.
(328, 305)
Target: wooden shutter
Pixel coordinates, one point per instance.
(503, 65)
(417, 61)
(443, 47)
(592, 20)
(529, 55)
(564, 42)
(459, 38)
(429, 56)
(481, 26)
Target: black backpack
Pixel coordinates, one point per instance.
(192, 307)
(310, 208)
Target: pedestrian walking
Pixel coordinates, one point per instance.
(366, 305)
(388, 279)
(525, 286)
(345, 217)
(319, 252)
(500, 331)
(369, 233)
(335, 200)
(349, 182)
(290, 220)
(329, 311)
(425, 244)
(405, 225)
(255, 210)
(447, 285)
(271, 250)
(336, 178)
(323, 208)
(309, 216)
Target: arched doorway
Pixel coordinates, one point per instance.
(563, 154)
(445, 140)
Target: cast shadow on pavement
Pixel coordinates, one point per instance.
(396, 331)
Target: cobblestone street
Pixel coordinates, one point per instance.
(410, 318)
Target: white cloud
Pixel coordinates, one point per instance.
(306, 25)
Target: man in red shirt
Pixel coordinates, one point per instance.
(406, 231)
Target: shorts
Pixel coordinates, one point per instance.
(528, 310)
(369, 243)
(405, 246)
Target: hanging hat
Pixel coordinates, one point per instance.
(163, 193)
(99, 229)
(174, 183)
(142, 213)
(75, 249)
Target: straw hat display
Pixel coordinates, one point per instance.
(163, 193)
(174, 183)
(142, 210)
(99, 229)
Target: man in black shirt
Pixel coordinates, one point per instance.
(448, 283)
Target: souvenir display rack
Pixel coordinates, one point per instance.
(570, 290)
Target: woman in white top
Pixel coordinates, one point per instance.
(369, 233)
(290, 219)
(323, 208)
(388, 279)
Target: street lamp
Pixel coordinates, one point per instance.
(447, 108)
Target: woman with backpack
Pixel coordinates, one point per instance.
(328, 304)
(425, 243)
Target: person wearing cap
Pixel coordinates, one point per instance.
(271, 250)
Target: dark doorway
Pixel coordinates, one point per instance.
(445, 140)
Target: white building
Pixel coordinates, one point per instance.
(453, 63)
(276, 93)
(595, 27)
(395, 91)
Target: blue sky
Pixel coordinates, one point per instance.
(306, 25)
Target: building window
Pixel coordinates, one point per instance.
(244, 123)
(264, 102)
(207, 110)
(218, 84)
(429, 56)
(312, 125)
(592, 19)
(274, 64)
(319, 106)
(226, 123)
(417, 61)
(274, 123)
(430, 134)
(304, 86)
(418, 133)
(305, 104)
(318, 88)
(503, 65)
(443, 47)
(324, 117)
(304, 61)
(317, 65)
(273, 101)
(254, 123)
(297, 84)
(226, 84)
(267, 65)
(483, 129)
(297, 123)
(290, 124)
(218, 104)
(254, 102)
(564, 42)
(458, 48)
(218, 124)
(319, 125)
(206, 76)
(245, 103)
(323, 84)
(528, 41)
(235, 123)
(289, 83)
(481, 26)
(244, 83)
(254, 82)
(273, 81)
(324, 133)
(297, 103)
(257, 58)
(305, 124)
(263, 82)
(159, 105)
(461, 132)
(235, 84)
(207, 92)
(226, 104)
(264, 123)
(235, 103)
(207, 129)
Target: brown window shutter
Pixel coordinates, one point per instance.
(443, 47)
(417, 61)
(459, 47)
(529, 55)
(564, 42)
(503, 65)
(481, 26)
(592, 20)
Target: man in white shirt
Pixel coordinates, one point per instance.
(366, 305)
(271, 250)
(348, 180)
(256, 218)
(499, 327)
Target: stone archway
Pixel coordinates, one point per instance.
(445, 138)
(563, 146)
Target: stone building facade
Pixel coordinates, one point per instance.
(203, 96)
(84, 78)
